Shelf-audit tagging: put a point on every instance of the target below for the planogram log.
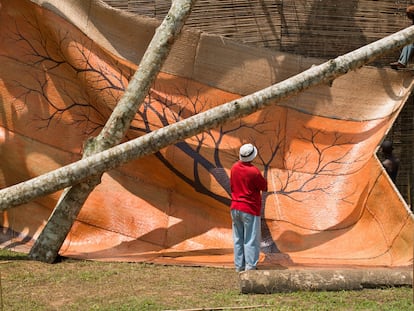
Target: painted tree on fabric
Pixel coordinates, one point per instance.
(48, 243)
(107, 81)
(330, 153)
(162, 109)
(55, 56)
(229, 111)
(301, 174)
(89, 105)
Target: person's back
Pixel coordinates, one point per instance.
(391, 165)
(246, 182)
(390, 162)
(246, 186)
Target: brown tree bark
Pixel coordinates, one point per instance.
(50, 240)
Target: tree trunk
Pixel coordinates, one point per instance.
(50, 240)
(97, 164)
(152, 142)
(292, 280)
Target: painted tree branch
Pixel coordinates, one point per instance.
(152, 142)
(49, 242)
(97, 164)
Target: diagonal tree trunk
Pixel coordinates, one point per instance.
(96, 164)
(50, 240)
(152, 142)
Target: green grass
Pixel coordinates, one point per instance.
(88, 285)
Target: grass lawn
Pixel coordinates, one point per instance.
(90, 285)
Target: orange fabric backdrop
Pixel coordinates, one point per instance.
(329, 200)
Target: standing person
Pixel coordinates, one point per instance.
(390, 162)
(246, 182)
(407, 51)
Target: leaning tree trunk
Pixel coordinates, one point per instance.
(96, 164)
(152, 142)
(50, 240)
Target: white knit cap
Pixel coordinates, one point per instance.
(247, 153)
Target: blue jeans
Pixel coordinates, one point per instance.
(406, 53)
(246, 238)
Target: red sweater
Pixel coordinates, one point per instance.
(246, 183)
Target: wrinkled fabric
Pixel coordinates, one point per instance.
(329, 201)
